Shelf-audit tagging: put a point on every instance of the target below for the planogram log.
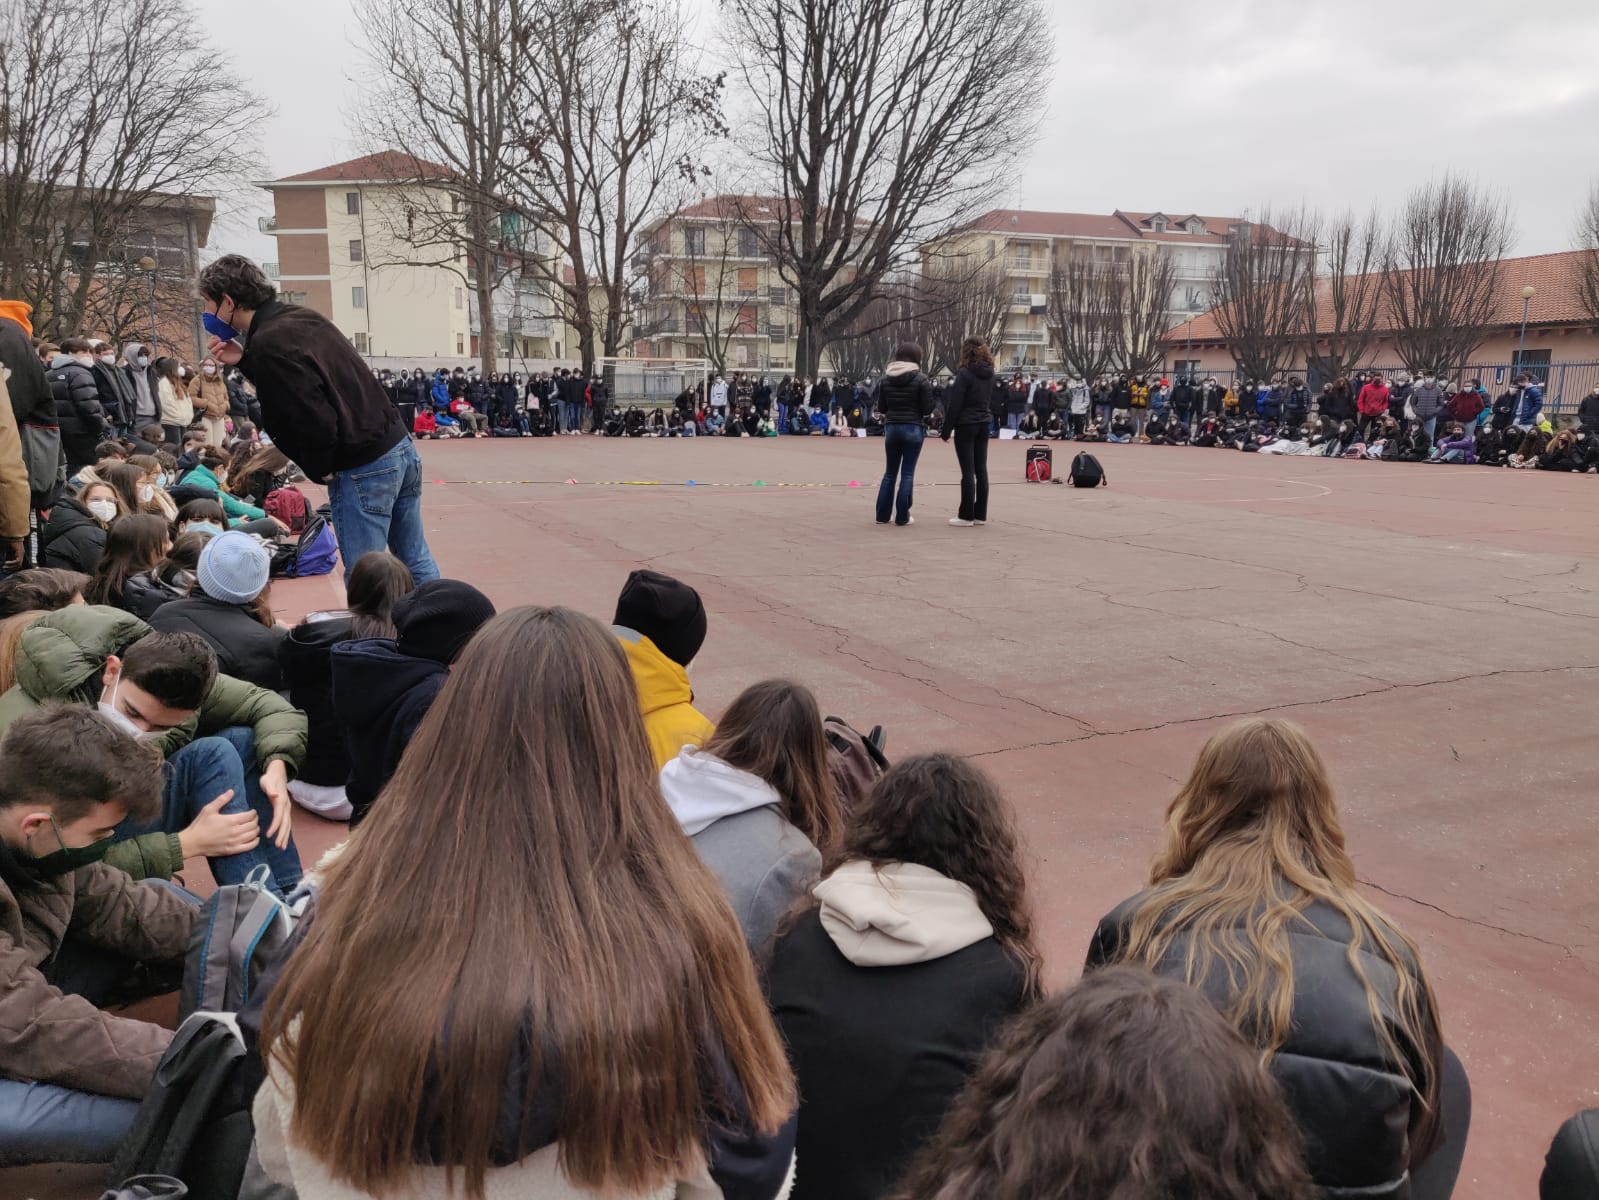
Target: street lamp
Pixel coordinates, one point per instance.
(148, 266)
(1527, 293)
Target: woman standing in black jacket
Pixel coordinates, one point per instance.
(905, 397)
(968, 413)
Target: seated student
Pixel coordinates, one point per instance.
(231, 747)
(1455, 445)
(1124, 1087)
(1121, 427)
(189, 453)
(1155, 428)
(230, 606)
(1561, 453)
(41, 589)
(382, 688)
(134, 543)
(74, 537)
(72, 931)
(917, 947)
(149, 439)
(1030, 428)
(1533, 443)
(661, 624)
(424, 424)
(1094, 432)
(210, 474)
(1253, 900)
(837, 424)
(1177, 433)
(255, 472)
(170, 579)
(376, 582)
(474, 423)
(757, 801)
(657, 423)
(582, 1020)
(674, 424)
(1055, 428)
(152, 490)
(1208, 432)
(1488, 446)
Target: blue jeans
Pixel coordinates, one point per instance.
(44, 1123)
(197, 775)
(379, 507)
(571, 416)
(1013, 420)
(782, 418)
(902, 441)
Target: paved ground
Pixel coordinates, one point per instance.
(1433, 628)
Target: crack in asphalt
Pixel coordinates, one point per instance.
(1565, 950)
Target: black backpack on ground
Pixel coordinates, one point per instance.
(1086, 472)
(855, 760)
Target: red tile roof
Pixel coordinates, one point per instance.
(726, 207)
(1556, 300)
(1121, 226)
(384, 166)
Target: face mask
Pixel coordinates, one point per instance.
(162, 479)
(67, 859)
(209, 370)
(103, 510)
(84, 360)
(146, 492)
(206, 527)
(110, 711)
(218, 328)
(110, 360)
(141, 361)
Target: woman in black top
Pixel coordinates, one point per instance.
(906, 398)
(968, 413)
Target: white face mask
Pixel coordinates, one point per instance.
(146, 492)
(110, 711)
(103, 510)
(110, 360)
(209, 370)
(206, 527)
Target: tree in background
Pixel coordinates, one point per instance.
(1588, 247)
(879, 125)
(1084, 312)
(706, 274)
(952, 299)
(1142, 293)
(110, 112)
(1442, 273)
(1262, 288)
(1341, 311)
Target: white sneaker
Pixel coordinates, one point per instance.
(962, 524)
(979, 522)
(910, 520)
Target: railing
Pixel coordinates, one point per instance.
(1026, 335)
(266, 224)
(1032, 265)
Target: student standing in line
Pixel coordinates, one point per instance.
(968, 415)
(906, 399)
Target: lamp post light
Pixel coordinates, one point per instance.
(1527, 293)
(148, 266)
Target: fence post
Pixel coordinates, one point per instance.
(1560, 391)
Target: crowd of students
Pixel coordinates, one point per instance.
(693, 959)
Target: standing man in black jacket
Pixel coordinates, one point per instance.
(322, 406)
(77, 398)
(116, 390)
(33, 407)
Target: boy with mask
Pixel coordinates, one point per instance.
(72, 930)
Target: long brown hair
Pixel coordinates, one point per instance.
(975, 350)
(773, 729)
(134, 543)
(591, 940)
(11, 631)
(1126, 1087)
(1252, 840)
(125, 478)
(247, 460)
(377, 580)
(944, 813)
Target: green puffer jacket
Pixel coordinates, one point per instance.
(62, 657)
(231, 504)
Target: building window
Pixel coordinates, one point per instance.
(694, 240)
(748, 281)
(1536, 363)
(749, 245)
(352, 203)
(357, 251)
(777, 297)
(460, 298)
(1195, 299)
(359, 338)
(294, 297)
(455, 204)
(358, 297)
(460, 344)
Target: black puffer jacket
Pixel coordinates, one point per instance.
(73, 538)
(1364, 1124)
(143, 593)
(306, 656)
(116, 392)
(33, 405)
(78, 412)
(246, 649)
(970, 398)
(905, 395)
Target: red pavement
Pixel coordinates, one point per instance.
(1432, 627)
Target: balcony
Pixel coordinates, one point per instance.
(267, 224)
(1028, 336)
(1033, 264)
(778, 332)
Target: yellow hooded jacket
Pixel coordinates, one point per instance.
(665, 697)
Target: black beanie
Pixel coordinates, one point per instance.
(665, 610)
(438, 618)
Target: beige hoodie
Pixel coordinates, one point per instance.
(899, 914)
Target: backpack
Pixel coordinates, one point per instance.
(314, 553)
(240, 928)
(1040, 464)
(1086, 471)
(855, 762)
(288, 504)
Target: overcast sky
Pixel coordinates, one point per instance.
(1215, 108)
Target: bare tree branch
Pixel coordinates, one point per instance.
(1588, 247)
(953, 299)
(1084, 300)
(1341, 312)
(1143, 288)
(1262, 286)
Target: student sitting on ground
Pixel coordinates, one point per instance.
(1561, 453)
(837, 424)
(72, 931)
(74, 537)
(1253, 900)
(230, 606)
(41, 589)
(1125, 1087)
(917, 947)
(210, 475)
(231, 747)
(170, 579)
(757, 800)
(306, 656)
(1121, 427)
(1055, 428)
(661, 624)
(582, 1019)
(134, 543)
(1455, 445)
(1030, 428)
(382, 688)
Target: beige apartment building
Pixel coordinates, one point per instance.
(362, 242)
(1028, 244)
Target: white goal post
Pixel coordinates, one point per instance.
(652, 382)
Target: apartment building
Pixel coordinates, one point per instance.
(368, 243)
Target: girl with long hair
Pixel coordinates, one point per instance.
(176, 409)
(170, 579)
(134, 543)
(907, 400)
(125, 477)
(75, 535)
(917, 946)
(968, 416)
(152, 492)
(254, 472)
(757, 799)
(1253, 900)
(1126, 1087)
(583, 1016)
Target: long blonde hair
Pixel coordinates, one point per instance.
(1252, 840)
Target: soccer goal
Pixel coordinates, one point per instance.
(652, 382)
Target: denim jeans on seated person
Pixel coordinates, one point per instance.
(378, 506)
(902, 443)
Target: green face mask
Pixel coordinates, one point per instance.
(67, 859)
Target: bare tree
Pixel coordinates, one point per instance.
(1588, 248)
(113, 114)
(1143, 288)
(1084, 299)
(715, 308)
(880, 125)
(868, 345)
(1442, 273)
(1262, 286)
(953, 299)
(1342, 309)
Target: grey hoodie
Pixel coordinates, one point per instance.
(145, 408)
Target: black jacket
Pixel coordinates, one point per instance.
(969, 400)
(1588, 412)
(246, 649)
(78, 413)
(320, 402)
(33, 404)
(880, 1052)
(116, 393)
(905, 398)
(1363, 1123)
(143, 593)
(306, 656)
(379, 698)
(73, 538)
